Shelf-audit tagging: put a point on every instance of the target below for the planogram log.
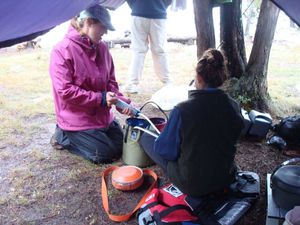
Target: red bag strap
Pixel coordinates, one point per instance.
(126, 217)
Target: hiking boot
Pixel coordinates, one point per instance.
(55, 144)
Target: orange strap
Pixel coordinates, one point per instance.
(126, 217)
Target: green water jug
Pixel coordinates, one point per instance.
(133, 153)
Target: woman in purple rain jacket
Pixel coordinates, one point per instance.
(85, 88)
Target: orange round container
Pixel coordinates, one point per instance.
(127, 178)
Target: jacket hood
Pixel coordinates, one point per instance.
(81, 40)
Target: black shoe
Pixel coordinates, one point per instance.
(55, 144)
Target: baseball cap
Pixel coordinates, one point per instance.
(99, 13)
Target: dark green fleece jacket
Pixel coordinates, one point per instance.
(211, 123)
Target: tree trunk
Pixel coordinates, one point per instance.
(232, 38)
(204, 26)
(253, 85)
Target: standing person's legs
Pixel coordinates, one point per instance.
(95, 144)
(139, 45)
(158, 38)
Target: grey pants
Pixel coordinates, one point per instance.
(97, 145)
(147, 143)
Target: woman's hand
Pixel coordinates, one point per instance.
(127, 112)
(111, 99)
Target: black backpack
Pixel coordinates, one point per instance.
(289, 129)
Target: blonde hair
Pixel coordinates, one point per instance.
(78, 24)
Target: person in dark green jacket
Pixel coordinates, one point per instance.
(197, 147)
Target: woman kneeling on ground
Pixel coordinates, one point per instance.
(197, 147)
(85, 88)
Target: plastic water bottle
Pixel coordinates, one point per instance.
(122, 105)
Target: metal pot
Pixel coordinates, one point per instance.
(285, 184)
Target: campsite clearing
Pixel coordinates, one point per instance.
(39, 185)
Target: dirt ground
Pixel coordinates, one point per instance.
(39, 185)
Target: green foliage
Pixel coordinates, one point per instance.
(244, 101)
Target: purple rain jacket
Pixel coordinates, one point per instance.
(81, 75)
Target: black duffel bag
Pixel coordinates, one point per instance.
(289, 129)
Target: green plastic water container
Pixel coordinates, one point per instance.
(133, 153)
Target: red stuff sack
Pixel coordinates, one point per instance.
(166, 206)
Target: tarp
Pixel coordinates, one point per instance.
(23, 20)
(291, 8)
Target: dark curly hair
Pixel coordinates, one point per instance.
(212, 68)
